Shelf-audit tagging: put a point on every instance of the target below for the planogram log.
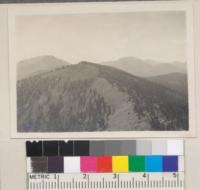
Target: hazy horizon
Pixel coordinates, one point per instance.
(149, 61)
(102, 37)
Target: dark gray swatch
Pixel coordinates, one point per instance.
(128, 147)
(112, 147)
(97, 148)
(39, 164)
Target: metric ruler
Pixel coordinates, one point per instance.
(91, 181)
(105, 165)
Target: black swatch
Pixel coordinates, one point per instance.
(50, 148)
(66, 148)
(81, 148)
(33, 148)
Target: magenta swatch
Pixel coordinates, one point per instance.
(88, 164)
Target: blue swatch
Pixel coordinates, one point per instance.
(170, 163)
(153, 164)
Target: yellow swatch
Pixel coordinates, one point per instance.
(120, 163)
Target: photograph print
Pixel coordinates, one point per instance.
(117, 71)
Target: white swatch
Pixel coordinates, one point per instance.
(175, 147)
(72, 164)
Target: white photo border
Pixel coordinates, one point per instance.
(99, 7)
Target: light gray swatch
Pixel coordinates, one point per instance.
(143, 147)
(159, 147)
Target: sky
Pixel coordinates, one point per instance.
(100, 37)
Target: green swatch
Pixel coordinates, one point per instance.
(136, 163)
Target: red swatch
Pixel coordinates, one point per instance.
(104, 164)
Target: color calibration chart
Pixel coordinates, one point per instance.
(105, 164)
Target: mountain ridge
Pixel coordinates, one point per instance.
(93, 97)
(175, 81)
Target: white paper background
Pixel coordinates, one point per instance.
(12, 152)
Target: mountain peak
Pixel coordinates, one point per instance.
(86, 63)
(40, 64)
(83, 62)
(42, 58)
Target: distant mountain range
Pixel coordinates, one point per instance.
(147, 68)
(94, 97)
(37, 65)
